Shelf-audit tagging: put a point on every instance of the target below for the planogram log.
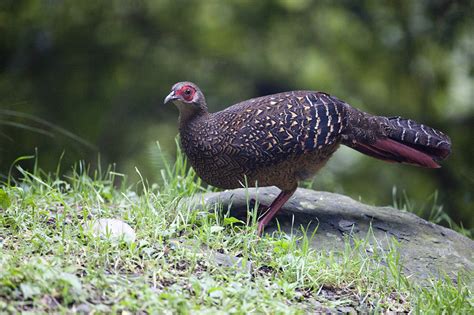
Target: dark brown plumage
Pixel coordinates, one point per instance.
(280, 139)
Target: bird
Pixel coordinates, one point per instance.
(284, 138)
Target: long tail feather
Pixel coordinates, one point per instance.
(420, 137)
(393, 151)
(396, 139)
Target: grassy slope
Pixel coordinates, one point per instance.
(49, 262)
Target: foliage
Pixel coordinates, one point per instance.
(430, 210)
(50, 263)
(101, 69)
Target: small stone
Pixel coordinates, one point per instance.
(83, 309)
(215, 257)
(113, 229)
(231, 261)
(346, 310)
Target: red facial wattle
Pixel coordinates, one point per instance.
(186, 92)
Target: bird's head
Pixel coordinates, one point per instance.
(188, 98)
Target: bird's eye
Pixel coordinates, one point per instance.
(187, 93)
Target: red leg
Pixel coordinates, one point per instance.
(274, 208)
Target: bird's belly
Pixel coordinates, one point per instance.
(285, 175)
(229, 171)
(220, 171)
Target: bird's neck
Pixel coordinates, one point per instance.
(187, 115)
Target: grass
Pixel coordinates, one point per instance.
(37, 125)
(430, 210)
(49, 261)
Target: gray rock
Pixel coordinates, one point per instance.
(113, 229)
(426, 249)
(82, 308)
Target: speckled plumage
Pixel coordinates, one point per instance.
(275, 140)
(280, 139)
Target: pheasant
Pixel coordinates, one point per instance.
(281, 139)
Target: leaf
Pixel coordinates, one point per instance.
(72, 280)
(216, 228)
(216, 293)
(281, 246)
(231, 220)
(29, 290)
(5, 201)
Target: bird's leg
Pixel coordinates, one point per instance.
(274, 208)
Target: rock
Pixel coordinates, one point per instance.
(82, 308)
(426, 249)
(230, 261)
(113, 229)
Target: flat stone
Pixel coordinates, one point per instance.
(426, 249)
(113, 229)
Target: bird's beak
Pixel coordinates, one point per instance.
(170, 97)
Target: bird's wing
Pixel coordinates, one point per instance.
(267, 130)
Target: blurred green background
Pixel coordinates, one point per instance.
(100, 69)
